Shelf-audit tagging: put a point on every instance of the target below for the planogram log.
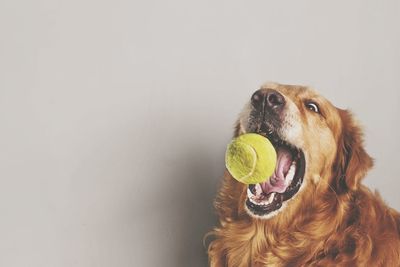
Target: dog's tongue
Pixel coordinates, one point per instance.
(276, 183)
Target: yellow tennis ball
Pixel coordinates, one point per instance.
(250, 158)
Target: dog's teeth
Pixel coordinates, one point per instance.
(271, 197)
(252, 200)
(269, 200)
(249, 193)
(290, 174)
(261, 202)
(258, 189)
(254, 190)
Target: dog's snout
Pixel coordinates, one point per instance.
(267, 98)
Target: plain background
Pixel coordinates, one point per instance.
(114, 115)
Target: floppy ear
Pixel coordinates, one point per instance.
(353, 162)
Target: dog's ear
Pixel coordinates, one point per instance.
(353, 162)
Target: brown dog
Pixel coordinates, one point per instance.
(319, 216)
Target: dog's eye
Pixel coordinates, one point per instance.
(312, 106)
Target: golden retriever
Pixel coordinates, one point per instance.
(313, 211)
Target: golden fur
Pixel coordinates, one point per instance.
(332, 221)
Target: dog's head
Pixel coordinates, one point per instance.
(319, 148)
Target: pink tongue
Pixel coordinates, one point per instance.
(276, 182)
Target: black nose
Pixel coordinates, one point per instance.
(267, 98)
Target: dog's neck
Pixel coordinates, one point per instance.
(279, 239)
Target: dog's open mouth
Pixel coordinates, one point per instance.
(284, 183)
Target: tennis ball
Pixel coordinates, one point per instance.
(250, 158)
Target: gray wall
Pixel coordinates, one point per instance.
(114, 115)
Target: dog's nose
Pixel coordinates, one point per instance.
(267, 98)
